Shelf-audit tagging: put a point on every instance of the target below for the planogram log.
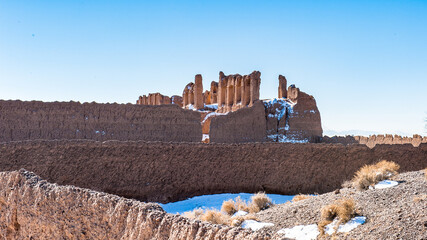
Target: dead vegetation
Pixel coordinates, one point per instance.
(370, 175)
(258, 202)
(425, 173)
(343, 209)
(300, 197)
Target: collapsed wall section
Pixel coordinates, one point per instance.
(167, 172)
(20, 120)
(32, 208)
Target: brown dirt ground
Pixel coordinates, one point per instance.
(393, 213)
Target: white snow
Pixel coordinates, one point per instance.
(310, 232)
(190, 107)
(384, 184)
(301, 232)
(284, 139)
(254, 225)
(212, 106)
(215, 201)
(347, 227)
(213, 114)
(205, 136)
(280, 112)
(240, 213)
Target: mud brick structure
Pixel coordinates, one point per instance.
(282, 87)
(23, 120)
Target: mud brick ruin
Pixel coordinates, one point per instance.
(292, 116)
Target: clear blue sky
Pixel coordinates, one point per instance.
(365, 62)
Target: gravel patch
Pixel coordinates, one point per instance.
(398, 212)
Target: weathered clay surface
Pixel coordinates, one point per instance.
(165, 172)
(244, 125)
(71, 120)
(304, 119)
(32, 208)
(373, 140)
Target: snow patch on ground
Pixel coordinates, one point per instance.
(347, 227)
(215, 201)
(255, 225)
(301, 232)
(205, 136)
(240, 213)
(310, 232)
(384, 184)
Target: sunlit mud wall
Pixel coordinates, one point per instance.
(166, 172)
(72, 120)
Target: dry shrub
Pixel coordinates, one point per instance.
(259, 202)
(195, 214)
(215, 217)
(300, 197)
(370, 175)
(238, 220)
(241, 205)
(420, 198)
(229, 207)
(343, 209)
(425, 173)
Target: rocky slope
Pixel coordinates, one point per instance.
(392, 213)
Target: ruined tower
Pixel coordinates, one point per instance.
(198, 92)
(282, 87)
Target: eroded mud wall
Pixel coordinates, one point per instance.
(167, 172)
(32, 208)
(244, 125)
(71, 120)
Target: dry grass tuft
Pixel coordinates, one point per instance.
(259, 202)
(229, 207)
(343, 209)
(369, 175)
(420, 198)
(195, 214)
(216, 217)
(237, 221)
(300, 197)
(425, 173)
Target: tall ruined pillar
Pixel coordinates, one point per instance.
(207, 97)
(191, 97)
(222, 89)
(255, 82)
(158, 99)
(214, 92)
(185, 97)
(229, 99)
(237, 90)
(282, 87)
(139, 101)
(198, 92)
(246, 90)
(144, 100)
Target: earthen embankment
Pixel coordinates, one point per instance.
(165, 172)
